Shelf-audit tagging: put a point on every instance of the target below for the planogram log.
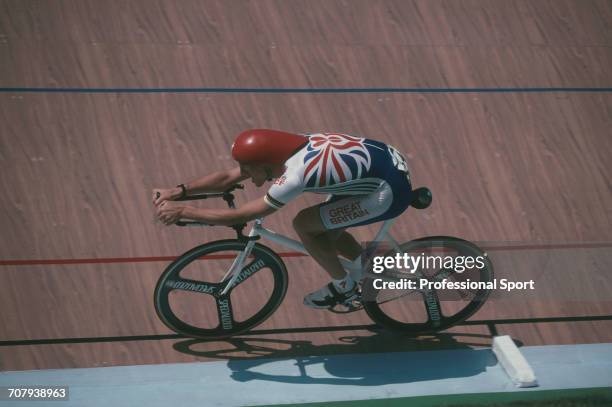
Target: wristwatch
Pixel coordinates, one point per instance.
(183, 191)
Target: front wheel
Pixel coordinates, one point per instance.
(427, 310)
(188, 297)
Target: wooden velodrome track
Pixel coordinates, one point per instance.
(77, 168)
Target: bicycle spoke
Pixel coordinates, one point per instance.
(225, 312)
(398, 296)
(433, 308)
(442, 274)
(450, 274)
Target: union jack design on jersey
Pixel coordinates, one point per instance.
(334, 158)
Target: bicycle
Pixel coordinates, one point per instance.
(233, 319)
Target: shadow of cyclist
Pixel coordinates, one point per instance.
(351, 362)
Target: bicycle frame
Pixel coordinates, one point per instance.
(352, 267)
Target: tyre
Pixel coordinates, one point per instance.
(188, 297)
(426, 311)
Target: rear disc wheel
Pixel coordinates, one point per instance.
(423, 311)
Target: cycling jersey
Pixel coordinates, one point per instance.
(340, 165)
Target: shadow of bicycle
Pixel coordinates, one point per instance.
(372, 360)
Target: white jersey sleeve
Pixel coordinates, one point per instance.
(284, 189)
(289, 185)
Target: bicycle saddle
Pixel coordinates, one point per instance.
(421, 198)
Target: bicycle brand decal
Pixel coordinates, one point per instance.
(224, 311)
(247, 272)
(433, 310)
(189, 286)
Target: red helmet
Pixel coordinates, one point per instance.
(262, 146)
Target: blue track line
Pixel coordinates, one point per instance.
(303, 90)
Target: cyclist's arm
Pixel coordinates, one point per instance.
(254, 209)
(216, 182)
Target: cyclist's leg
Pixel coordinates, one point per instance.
(318, 241)
(322, 227)
(322, 244)
(317, 234)
(347, 245)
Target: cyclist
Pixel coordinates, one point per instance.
(367, 182)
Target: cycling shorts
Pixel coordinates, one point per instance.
(389, 200)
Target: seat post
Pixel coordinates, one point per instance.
(384, 229)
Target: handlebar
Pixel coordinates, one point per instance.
(226, 195)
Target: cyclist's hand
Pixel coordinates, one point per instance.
(170, 212)
(161, 195)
